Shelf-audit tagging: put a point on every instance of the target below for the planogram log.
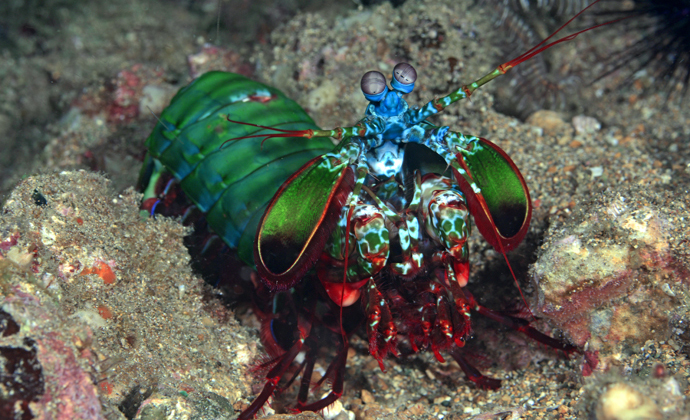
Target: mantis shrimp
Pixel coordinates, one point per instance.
(372, 232)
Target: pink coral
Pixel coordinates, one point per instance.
(68, 387)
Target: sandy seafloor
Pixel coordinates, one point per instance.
(158, 337)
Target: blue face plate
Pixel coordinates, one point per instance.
(386, 160)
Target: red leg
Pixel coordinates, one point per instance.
(337, 369)
(442, 334)
(381, 329)
(461, 317)
(523, 326)
(310, 359)
(258, 402)
(295, 374)
(272, 379)
(473, 374)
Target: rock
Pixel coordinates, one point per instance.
(367, 397)
(212, 57)
(616, 274)
(612, 397)
(550, 121)
(622, 402)
(46, 355)
(585, 125)
(92, 308)
(154, 98)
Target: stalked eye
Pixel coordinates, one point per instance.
(405, 73)
(373, 83)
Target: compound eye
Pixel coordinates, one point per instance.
(373, 83)
(405, 73)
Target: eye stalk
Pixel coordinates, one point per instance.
(404, 76)
(374, 86)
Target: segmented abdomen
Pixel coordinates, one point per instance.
(231, 183)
